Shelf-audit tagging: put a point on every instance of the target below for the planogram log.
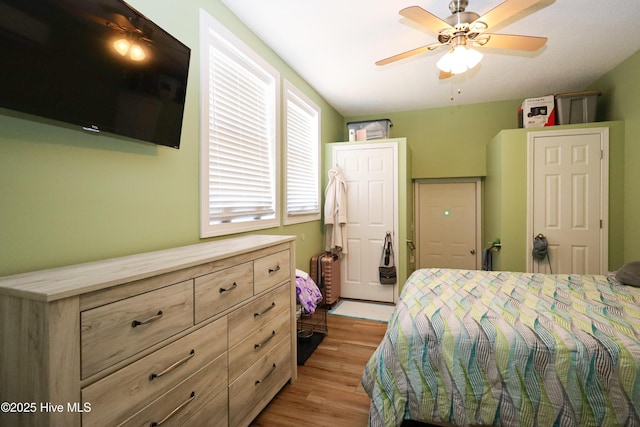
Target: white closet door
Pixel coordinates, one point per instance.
(568, 199)
(370, 172)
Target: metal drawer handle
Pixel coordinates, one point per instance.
(230, 288)
(266, 376)
(173, 366)
(263, 343)
(182, 405)
(273, 304)
(146, 322)
(274, 270)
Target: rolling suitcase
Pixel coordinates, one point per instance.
(325, 271)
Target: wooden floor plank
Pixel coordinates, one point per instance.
(327, 392)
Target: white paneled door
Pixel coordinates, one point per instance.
(568, 182)
(369, 170)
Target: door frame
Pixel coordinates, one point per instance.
(478, 187)
(395, 233)
(604, 188)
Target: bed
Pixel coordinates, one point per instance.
(508, 349)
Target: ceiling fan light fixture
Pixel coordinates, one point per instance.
(473, 58)
(459, 59)
(446, 62)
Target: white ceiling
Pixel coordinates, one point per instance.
(333, 45)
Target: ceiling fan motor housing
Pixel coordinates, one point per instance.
(456, 6)
(460, 19)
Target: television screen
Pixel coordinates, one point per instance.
(98, 64)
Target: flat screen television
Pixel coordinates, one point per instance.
(99, 64)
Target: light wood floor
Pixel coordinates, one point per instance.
(327, 392)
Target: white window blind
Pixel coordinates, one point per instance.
(302, 162)
(239, 156)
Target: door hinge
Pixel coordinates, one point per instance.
(600, 223)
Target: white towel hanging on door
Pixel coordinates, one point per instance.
(335, 212)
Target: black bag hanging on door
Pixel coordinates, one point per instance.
(387, 268)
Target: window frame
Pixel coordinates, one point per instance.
(293, 94)
(212, 31)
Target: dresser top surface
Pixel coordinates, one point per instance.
(63, 282)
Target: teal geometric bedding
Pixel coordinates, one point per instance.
(509, 349)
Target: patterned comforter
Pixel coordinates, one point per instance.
(509, 349)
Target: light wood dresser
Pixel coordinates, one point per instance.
(192, 336)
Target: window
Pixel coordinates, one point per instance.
(239, 135)
(302, 167)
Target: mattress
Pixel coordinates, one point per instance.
(508, 349)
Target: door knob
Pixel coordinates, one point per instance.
(472, 251)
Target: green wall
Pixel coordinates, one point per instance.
(620, 101)
(505, 208)
(450, 141)
(68, 197)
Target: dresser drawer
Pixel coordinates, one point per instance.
(115, 331)
(254, 315)
(131, 388)
(258, 343)
(259, 384)
(218, 291)
(271, 270)
(186, 399)
(216, 409)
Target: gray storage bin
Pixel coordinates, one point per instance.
(376, 129)
(576, 107)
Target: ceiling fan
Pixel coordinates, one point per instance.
(463, 30)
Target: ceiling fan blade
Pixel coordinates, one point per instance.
(502, 12)
(445, 75)
(408, 53)
(424, 18)
(507, 41)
